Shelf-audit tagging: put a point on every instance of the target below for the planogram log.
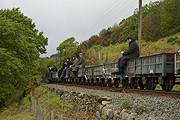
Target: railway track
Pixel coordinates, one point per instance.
(174, 94)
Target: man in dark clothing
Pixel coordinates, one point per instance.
(77, 63)
(74, 67)
(82, 63)
(132, 52)
(62, 68)
(54, 69)
(82, 60)
(67, 64)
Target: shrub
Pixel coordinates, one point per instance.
(125, 104)
(140, 109)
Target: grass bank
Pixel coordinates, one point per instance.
(49, 102)
(99, 55)
(18, 112)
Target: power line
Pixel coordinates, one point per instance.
(109, 11)
(104, 13)
(124, 5)
(117, 18)
(116, 5)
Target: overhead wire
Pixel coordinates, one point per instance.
(125, 5)
(109, 11)
(116, 11)
(116, 5)
(105, 12)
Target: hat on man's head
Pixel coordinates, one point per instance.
(129, 37)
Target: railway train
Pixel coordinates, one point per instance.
(140, 73)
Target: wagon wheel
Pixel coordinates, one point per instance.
(78, 81)
(109, 82)
(150, 84)
(125, 83)
(84, 81)
(71, 80)
(116, 83)
(68, 80)
(81, 81)
(91, 81)
(168, 84)
(133, 84)
(98, 83)
(140, 83)
(63, 80)
(103, 82)
(88, 81)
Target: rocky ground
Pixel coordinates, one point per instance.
(120, 106)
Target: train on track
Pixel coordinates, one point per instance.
(140, 73)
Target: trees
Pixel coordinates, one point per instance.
(131, 27)
(20, 47)
(152, 22)
(170, 17)
(43, 66)
(67, 48)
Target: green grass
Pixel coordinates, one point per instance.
(21, 116)
(175, 88)
(18, 112)
(113, 52)
(140, 109)
(50, 101)
(125, 104)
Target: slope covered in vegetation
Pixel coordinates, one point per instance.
(160, 20)
(99, 55)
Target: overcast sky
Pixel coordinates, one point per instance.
(61, 19)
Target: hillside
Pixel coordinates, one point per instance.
(98, 54)
(161, 27)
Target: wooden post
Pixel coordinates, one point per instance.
(140, 25)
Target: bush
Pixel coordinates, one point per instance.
(125, 104)
(140, 109)
(174, 40)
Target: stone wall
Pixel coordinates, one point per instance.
(94, 105)
(119, 106)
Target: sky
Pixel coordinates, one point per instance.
(62, 19)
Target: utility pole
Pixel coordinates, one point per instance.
(140, 25)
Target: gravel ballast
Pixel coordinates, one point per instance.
(143, 107)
